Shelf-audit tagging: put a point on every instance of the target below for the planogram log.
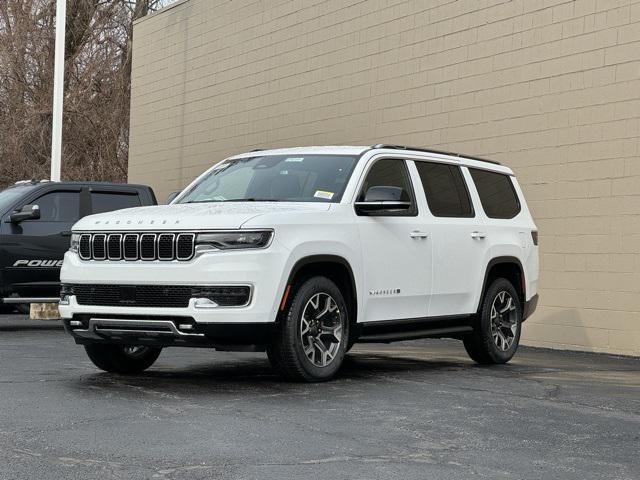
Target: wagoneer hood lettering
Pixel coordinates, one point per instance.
(200, 216)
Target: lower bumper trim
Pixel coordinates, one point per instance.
(167, 332)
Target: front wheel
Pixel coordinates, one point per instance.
(496, 335)
(122, 358)
(311, 337)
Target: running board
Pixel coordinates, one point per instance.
(413, 335)
(414, 328)
(23, 300)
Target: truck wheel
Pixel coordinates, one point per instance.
(496, 334)
(122, 358)
(311, 336)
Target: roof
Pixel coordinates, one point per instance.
(312, 150)
(458, 158)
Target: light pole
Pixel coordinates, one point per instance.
(58, 91)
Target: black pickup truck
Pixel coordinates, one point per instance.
(35, 226)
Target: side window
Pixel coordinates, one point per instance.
(446, 190)
(59, 206)
(391, 173)
(106, 202)
(498, 197)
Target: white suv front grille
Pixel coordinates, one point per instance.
(137, 246)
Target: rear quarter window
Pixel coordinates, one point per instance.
(497, 194)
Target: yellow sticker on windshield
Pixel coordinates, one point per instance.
(324, 195)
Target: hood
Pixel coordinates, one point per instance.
(196, 216)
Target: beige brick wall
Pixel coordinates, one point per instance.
(549, 87)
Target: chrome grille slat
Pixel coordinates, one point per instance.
(84, 248)
(148, 245)
(99, 246)
(185, 246)
(166, 246)
(144, 246)
(114, 246)
(130, 244)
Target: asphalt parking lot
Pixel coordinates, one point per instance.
(416, 410)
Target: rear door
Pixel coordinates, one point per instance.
(458, 245)
(34, 249)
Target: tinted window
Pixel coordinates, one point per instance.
(11, 195)
(59, 206)
(107, 202)
(446, 192)
(498, 197)
(390, 173)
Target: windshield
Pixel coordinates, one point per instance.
(10, 195)
(280, 178)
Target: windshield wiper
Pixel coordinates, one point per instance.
(250, 199)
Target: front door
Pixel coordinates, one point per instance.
(33, 249)
(396, 249)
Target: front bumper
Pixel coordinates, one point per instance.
(167, 332)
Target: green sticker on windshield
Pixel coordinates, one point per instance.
(295, 159)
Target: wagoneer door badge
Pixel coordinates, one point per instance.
(384, 292)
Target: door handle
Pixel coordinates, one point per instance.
(66, 233)
(418, 234)
(478, 235)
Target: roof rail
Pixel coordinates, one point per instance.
(33, 181)
(430, 150)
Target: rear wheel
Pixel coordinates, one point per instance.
(496, 335)
(122, 358)
(311, 337)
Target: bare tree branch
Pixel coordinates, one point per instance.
(97, 87)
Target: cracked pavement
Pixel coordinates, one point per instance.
(412, 410)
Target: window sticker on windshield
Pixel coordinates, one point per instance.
(295, 159)
(324, 195)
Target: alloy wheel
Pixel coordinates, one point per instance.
(321, 328)
(504, 321)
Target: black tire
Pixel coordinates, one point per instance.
(115, 359)
(286, 351)
(486, 345)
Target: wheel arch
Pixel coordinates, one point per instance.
(505, 267)
(334, 267)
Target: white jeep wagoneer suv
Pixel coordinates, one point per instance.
(303, 252)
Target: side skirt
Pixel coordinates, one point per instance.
(413, 328)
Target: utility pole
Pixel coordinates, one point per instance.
(58, 91)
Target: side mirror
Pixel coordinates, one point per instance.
(28, 212)
(172, 196)
(383, 199)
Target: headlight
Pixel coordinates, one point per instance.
(234, 240)
(75, 242)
